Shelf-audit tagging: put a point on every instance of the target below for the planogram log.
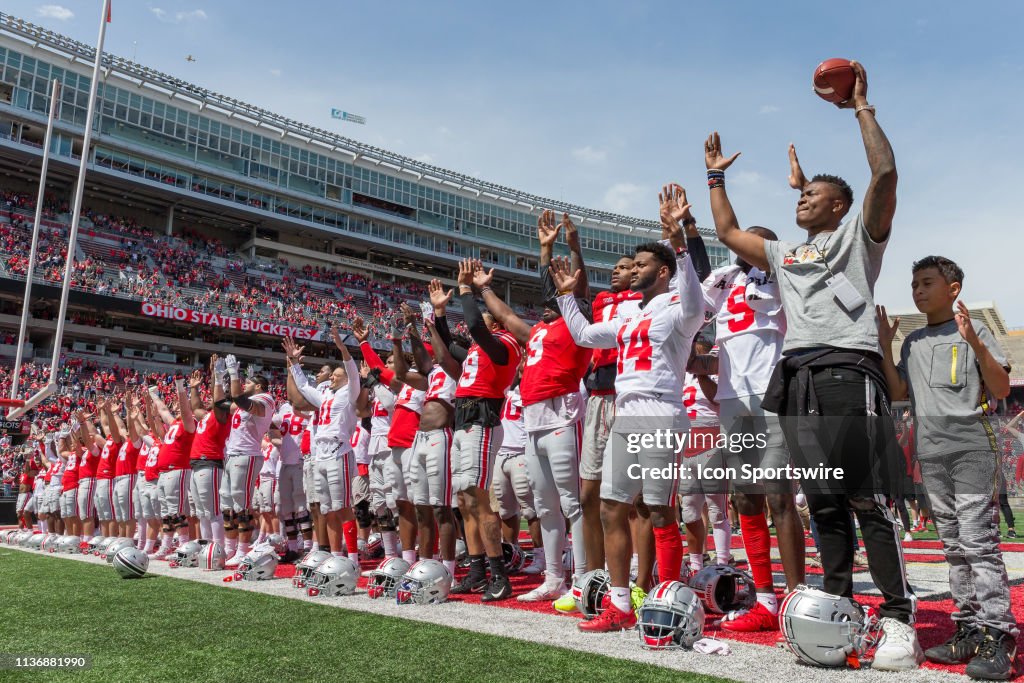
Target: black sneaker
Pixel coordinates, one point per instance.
(1010, 533)
(290, 557)
(498, 589)
(994, 660)
(470, 584)
(958, 649)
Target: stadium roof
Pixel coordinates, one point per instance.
(175, 87)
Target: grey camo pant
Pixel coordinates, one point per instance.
(960, 487)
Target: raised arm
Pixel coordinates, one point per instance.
(747, 245)
(161, 408)
(442, 356)
(590, 335)
(300, 394)
(898, 388)
(402, 371)
(351, 369)
(498, 308)
(880, 197)
(995, 376)
(572, 240)
(494, 349)
(188, 419)
(674, 210)
(114, 426)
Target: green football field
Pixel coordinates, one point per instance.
(159, 628)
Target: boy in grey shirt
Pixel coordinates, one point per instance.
(954, 373)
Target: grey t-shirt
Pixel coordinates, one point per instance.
(814, 316)
(946, 390)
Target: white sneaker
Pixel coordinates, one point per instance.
(552, 589)
(899, 649)
(162, 553)
(536, 565)
(907, 538)
(234, 560)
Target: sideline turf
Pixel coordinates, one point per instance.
(159, 628)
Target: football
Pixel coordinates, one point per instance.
(834, 80)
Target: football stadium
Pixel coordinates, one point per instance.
(278, 403)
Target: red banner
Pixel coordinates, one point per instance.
(186, 315)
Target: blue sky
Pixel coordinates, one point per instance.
(600, 103)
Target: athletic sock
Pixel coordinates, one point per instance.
(668, 550)
(696, 562)
(307, 545)
(351, 533)
(497, 565)
(769, 601)
(165, 544)
(409, 556)
(390, 541)
(723, 541)
(477, 567)
(338, 553)
(450, 566)
(538, 556)
(205, 528)
(183, 536)
(244, 548)
(148, 548)
(757, 541)
(620, 598)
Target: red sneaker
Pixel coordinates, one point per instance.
(612, 619)
(757, 619)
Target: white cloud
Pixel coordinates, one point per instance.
(589, 155)
(275, 72)
(424, 159)
(177, 17)
(626, 198)
(770, 109)
(57, 12)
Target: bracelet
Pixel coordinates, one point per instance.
(864, 107)
(568, 291)
(689, 221)
(716, 173)
(485, 290)
(716, 183)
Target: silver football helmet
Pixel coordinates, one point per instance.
(278, 542)
(256, 566)
(113, 548)
(92, 545)
(512, 557)
(211, 557)
(187, 555)
(384, 579)
(130, 563)
(589, 591)
(35, 541)
(334, 576)
(22, 538)
(70, 545)
(671, 616)
(724, 589)
(102, 547)
(426, 583)
(304, 569)
(374, 547)
(826, 630)
(51, 543)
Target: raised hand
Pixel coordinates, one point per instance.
(965, 325)
(196, 380)
(571, 234)
(482, 278)
(547, 231)
(886, 331)
(797, 179)
(398, 327)
(713, 157)
(438, 297)
(292, 351)
(364, 369)
(359, 330)
(336, 335)
(564, 279)
(860, 88)
(408, 314)
(465, 277)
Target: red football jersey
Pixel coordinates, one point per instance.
(70, 480)
(555, 364)
(605, 306)
(211, 435)
(108, 456)
(405, 418)
(127, 459)
(149, 468)
(26, 480)
(174, 455)
(87, 464)
(481, 377)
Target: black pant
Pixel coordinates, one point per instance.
(1004, 507)
(842, 393)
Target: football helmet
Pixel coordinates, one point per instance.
(35, 541)
(187, 555)
(724, 589)
(278, 542)
(118, 544)
(589, 591)
(374, 547)
(426, 583)
(334, 576)
(22, 539)
(826, 630)
(671, 616)
(130, 563)
(211, 557)
(511, 557)
(257, 566)
(70, 545)
(52, 542)
(304, 569)
(384, 579)
(91, 545)
(102, 546)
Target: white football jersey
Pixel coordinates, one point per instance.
(57, 474)
(323, 388)
(248, 429)
(440, 386)
(699, 408)
(380, 419)
(411, 399)
(271, 460)
(513, 428)
(336, 417)
(653, 344)
(291, 425)
(750, 328)
(361, 445)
